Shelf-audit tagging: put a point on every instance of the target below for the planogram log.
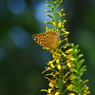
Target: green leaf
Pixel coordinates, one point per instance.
(50, 16)
(48, 2)
(80, 63)
(80, 55)
(82, 70)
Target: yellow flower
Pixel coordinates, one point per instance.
(47, 1)
(55, 2)
(59, 67)
(87, 87)
(65, 21)
(63, 26)
(88, 92)
(46, 10)
(51, 63)
(70, 87)
(68, 63)
(51, 85)
(70, 57)
(69, 51)
(60, 14)
(61, 1)
(48, 29)
(58, 61)
(44, 90)
(66, 32)
(49, 90)
(72, 77)
(67, 44)
(48, 78)
(57, 93)
(59, 24)
(86, 80)
(64, 15)
(66, 39)
(46, 4)
(54, 23)
(62, 29)
(47, 68)
(67, 74)
(62, 10)
(45, 21)
(52, 29)
(71, 94)
(52, 74)
(64, 54)
(47, 14)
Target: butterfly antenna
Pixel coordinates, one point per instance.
(45, 52)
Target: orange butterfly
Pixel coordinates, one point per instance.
(47, 39)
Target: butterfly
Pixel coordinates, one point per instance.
(47, 39)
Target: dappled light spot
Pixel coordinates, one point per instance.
(20, 37)
(16, 6)
(40, 13)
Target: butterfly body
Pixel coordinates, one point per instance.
(47, 39)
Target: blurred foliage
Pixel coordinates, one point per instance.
(22, 60)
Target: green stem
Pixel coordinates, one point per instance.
(55, 16)
(60, 82)
(78, 83)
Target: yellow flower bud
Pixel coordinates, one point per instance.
(59, 66)
(54, 23)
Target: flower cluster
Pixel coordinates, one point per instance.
(66, 67)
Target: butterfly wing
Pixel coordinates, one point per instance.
(39, 38)
(52, 40)
(47, 39)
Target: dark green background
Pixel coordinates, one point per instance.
(21, 67)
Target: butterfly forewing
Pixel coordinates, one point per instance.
(47, 39)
